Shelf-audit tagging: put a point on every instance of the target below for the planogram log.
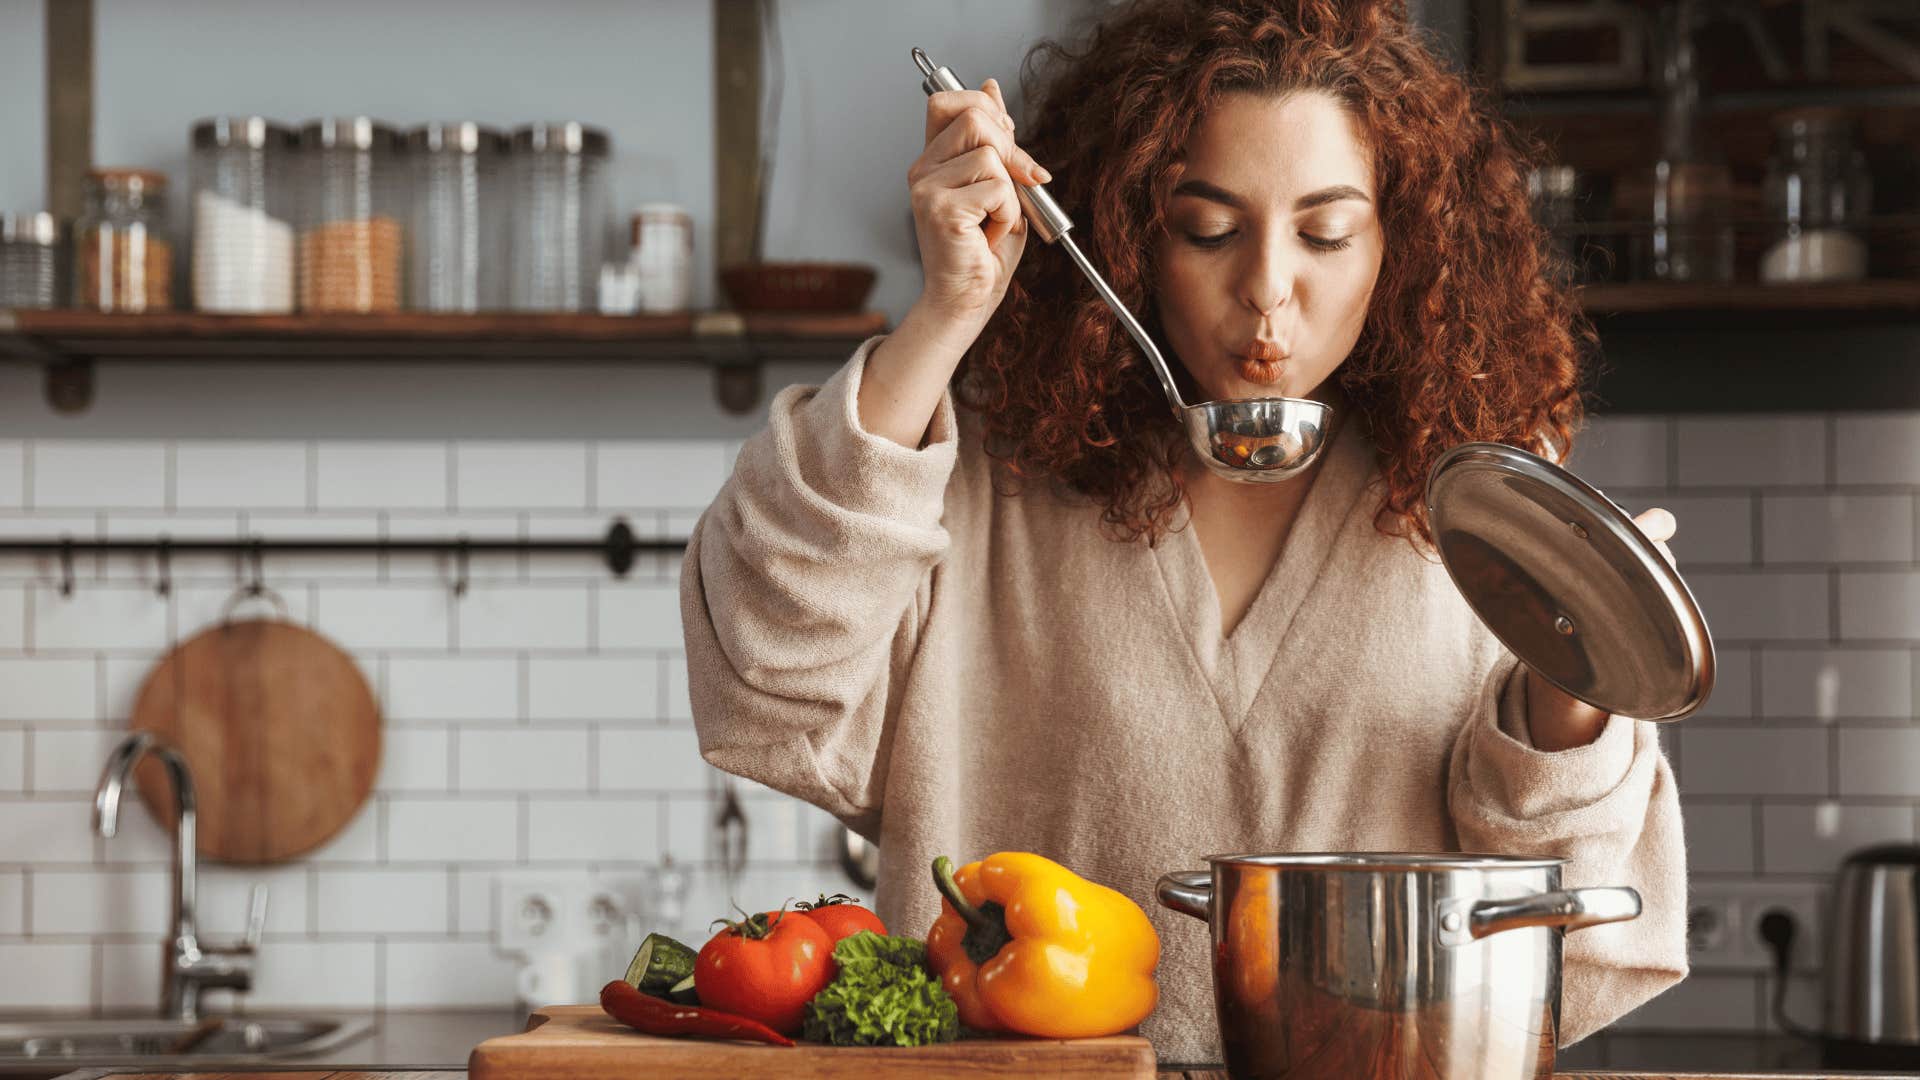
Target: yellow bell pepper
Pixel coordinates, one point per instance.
(1023, 944)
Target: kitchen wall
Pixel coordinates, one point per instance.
(539, 725)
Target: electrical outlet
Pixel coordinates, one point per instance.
(603, 916)
(1723, 924)
(1714, 937)
(538, 913)
(1806, 903)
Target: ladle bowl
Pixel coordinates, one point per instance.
(1257, 440)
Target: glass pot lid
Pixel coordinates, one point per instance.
(1568, 583)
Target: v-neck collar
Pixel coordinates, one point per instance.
(1237, 665)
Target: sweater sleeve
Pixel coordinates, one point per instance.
(801, 592)
(1609, 808)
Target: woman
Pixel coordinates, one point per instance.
(1017, 614)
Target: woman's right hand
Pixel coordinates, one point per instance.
(965, 210)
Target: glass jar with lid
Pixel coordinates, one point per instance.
(458, 228)
(1818, 192)
(122, 257)
(561, 215)
(29, 261)
(1683, 204)
(662, 257)
(243, 214)
(353, 200)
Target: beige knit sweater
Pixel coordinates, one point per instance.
(950, 671)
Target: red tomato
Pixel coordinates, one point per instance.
(766, 968)
(841, 916)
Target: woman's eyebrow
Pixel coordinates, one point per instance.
(1328, 195)
(1200, 189)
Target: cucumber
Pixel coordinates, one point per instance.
(683, 993)
(660, 963)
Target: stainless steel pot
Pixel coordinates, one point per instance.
(1360, 964)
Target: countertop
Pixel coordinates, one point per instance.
(460, 1074)
(433, 1045)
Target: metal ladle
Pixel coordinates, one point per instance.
(1253, 440)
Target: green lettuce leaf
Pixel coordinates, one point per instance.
(883, 996)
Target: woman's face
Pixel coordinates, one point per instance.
(1271, 248)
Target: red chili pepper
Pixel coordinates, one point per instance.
(658, 1016)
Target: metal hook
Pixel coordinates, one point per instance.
(460, 568)
(257, 587)
(163, 555)
(731, 834)
(66, 565)
(256, 555)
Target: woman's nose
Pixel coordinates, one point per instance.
(1268, 301)
(1270, 286)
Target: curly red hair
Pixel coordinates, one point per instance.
(1468, 336)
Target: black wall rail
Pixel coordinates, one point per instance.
(618, 548)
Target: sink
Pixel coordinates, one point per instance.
(114, 1041)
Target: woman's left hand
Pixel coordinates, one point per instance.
(1659, 526)
(1558, 720)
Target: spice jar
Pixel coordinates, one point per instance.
(663, 257)
(353, 197)
(1817, 192)
(243, 211)
(560, 215)
(29, 261)
(457, 259)
(122, 259)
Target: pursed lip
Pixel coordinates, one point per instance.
(1262, 351)
(1261, 362)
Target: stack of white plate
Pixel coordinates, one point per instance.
(242, 257)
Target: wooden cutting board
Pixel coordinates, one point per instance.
(579, 1042)
(280, 729)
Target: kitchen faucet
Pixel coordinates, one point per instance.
(188, 966)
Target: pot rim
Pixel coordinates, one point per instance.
(1366, 861)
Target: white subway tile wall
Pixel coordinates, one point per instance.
(221, 475)
(13, 473)
(540, 723)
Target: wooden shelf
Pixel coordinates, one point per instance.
(1742, 302)
(1668, 347)
(716, 335)
(1749, 347)
(735, 344)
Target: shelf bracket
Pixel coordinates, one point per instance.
(738, 369)
(67, 381)
(69, 385)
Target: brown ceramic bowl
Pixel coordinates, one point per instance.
(798, 286)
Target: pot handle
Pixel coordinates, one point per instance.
(1189, 892)
(1465, 921)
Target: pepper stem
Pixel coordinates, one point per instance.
(987, 930)
(950, 889)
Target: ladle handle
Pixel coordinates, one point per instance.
(1052, 224)
(1049, 222)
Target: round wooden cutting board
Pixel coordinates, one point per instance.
(280, 729)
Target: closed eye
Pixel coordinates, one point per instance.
(1323, 243)
(1318, 243)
